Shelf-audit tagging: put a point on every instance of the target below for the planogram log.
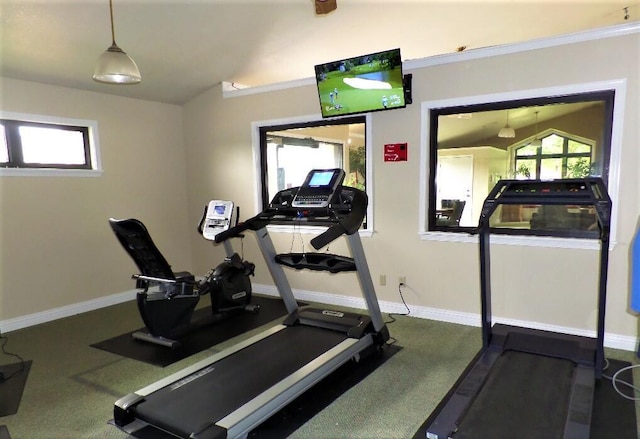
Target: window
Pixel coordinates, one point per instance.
(289, 150)
(557, 135)
(31, 143)
(292, 158)
(556, 156)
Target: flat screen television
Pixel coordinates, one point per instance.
(362, 84)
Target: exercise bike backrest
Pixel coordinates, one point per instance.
(135, 238)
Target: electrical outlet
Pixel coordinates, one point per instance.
(402, 280)
(383, 280)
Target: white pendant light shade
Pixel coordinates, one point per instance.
(114, 66)
(507, 132)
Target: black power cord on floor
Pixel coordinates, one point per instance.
(4, 340)
(392, 314)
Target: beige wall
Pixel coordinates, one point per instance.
(57, 247)
(547, 285)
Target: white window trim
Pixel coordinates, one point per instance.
(255, 140)
(94, 148)
(620, 88)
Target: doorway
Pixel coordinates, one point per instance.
(454, 181)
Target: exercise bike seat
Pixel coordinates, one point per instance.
(135, 238)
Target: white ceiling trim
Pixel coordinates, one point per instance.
(228, 91)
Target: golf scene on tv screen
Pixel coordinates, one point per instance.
(361, 84)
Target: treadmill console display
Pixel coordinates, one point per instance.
(318, 188)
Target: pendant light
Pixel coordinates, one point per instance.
(114, 66)
(507, 132)
(537, 143)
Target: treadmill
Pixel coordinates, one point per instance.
(529, 383)
(232, 392)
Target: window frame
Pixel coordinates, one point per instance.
(16, 166)
(565, 155)
(259, 130)
(428, 231)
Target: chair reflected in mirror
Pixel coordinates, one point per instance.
(562, 217)
(450, 213)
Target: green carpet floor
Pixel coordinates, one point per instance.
(71, 386)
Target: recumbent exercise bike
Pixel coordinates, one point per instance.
(167, 299)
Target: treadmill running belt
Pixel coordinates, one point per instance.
(213, 392)
(525, 396)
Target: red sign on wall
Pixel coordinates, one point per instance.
(395, 152)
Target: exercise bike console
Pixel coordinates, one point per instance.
(218, 217)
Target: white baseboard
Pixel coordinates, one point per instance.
(64, 311)
(615, 341)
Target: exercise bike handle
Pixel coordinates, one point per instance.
(160, 280)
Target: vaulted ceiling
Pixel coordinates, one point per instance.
(184, 47)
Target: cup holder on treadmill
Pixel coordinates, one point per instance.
(316, 261)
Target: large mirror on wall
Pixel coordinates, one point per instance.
(473, 147)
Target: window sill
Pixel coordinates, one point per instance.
(49, 172)
(524, 241)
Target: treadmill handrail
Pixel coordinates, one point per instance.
(338, 223)
(593, 193)
(348, 225)
(256, 223)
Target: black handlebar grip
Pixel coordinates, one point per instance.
(231, 233)
(201, 223)
(332, 233)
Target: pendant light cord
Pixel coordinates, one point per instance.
(113, 32)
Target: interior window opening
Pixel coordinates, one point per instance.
(473, 147)
(288, 152)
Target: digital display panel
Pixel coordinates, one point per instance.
(361, 84)
(322, 178)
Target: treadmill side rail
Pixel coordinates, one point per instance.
(448, 418)
(259, 409)
(580, 403)
(122, 414)
(210, 431)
